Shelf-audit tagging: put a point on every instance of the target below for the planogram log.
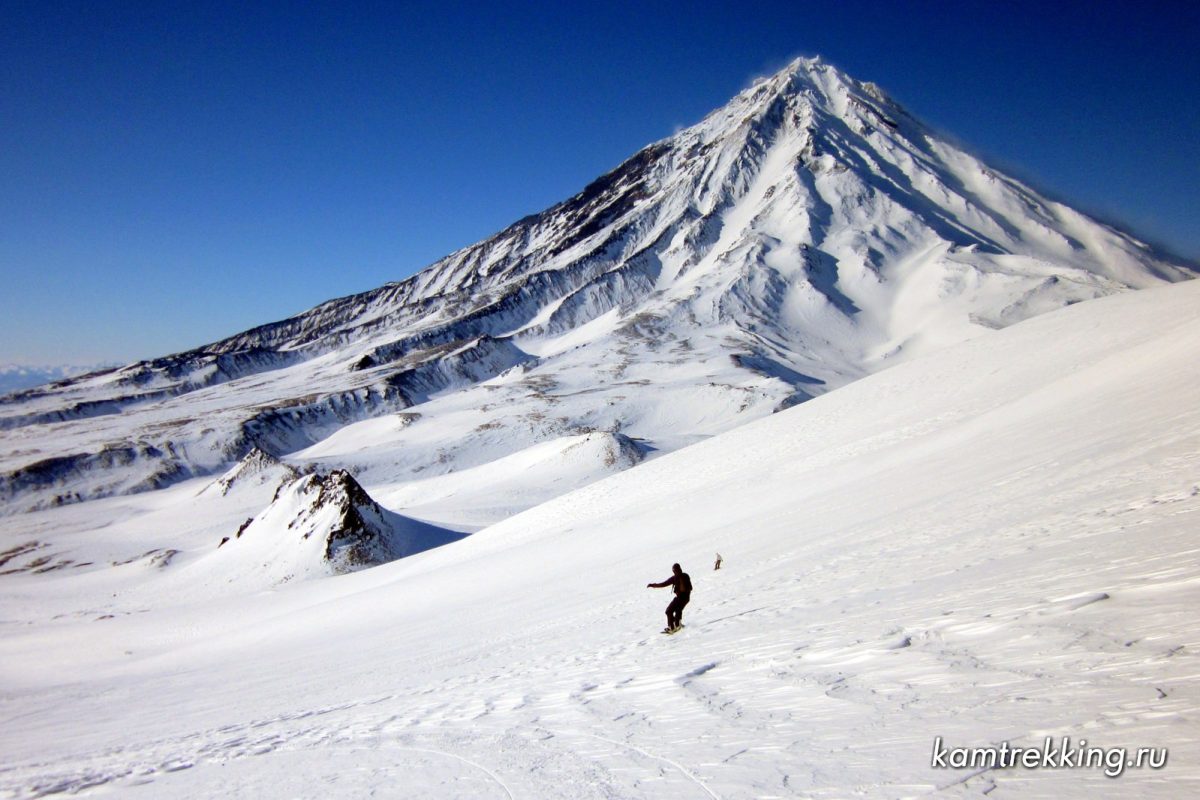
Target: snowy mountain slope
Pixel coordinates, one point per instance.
(806, 234)
(995, 543)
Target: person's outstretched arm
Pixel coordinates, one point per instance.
(667, 582)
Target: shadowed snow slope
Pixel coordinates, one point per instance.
(808, 233)
(994, 543)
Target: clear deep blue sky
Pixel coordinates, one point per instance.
(174, 173)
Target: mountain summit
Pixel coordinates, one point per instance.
(808, 233)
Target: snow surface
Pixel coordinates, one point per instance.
(996, 542)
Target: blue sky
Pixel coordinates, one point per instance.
(173, 174)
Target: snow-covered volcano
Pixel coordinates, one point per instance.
(807, 234)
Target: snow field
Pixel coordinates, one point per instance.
(995, 543)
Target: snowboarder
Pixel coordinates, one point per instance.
(682, 584)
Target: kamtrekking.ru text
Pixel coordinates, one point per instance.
(1113, 760)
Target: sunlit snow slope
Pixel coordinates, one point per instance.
(998, 542)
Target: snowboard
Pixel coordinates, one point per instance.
(669, 632)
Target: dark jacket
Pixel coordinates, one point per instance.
(681, 583)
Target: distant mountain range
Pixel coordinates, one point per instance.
(807, 234)
(14, 377)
